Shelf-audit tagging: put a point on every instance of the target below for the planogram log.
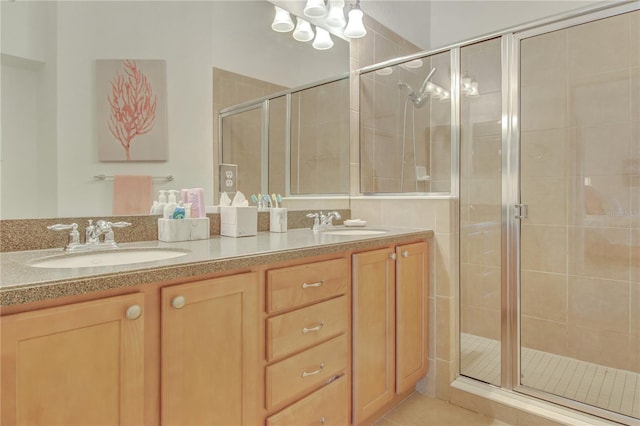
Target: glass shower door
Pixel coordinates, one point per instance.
(480, 211)
(580, 245)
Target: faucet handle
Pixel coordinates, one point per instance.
(62, 227)
(74, 235)
(119, 224)
(316, 220)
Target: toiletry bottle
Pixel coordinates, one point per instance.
(171, 205)
(162, 202)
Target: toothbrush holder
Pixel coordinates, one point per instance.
(278, 219)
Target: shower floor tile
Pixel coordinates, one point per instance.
(605, 387)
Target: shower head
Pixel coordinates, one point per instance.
(404, 85)
(420, 98)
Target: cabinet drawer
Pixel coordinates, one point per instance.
(328, 406)
(294, 331)
(299, 285)
(303, 372)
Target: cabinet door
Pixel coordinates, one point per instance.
(210, 354)
(373, 332)
(412, 287)
(78, 364)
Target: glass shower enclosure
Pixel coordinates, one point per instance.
(550, 212)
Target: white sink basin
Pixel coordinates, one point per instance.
(350, 232)
(107, 258)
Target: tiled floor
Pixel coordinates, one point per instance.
(420, 410)
(605, 387)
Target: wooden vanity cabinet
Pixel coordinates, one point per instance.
(308, 341)
(76, 364)
(323, 340)
(209, 352)
(390, 300)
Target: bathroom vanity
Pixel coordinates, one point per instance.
(277, 329)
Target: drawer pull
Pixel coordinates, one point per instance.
(323, 421)
(313, 373)
(318, 284)
(316, 328)
(392, 256)
(405, 254)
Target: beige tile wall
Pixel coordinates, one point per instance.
(480, 194)
(580, 177)
(231, 89)
(388, 123)
(320, 139)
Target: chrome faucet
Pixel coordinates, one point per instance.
(328, 219)
(92, 235)
(322, 221)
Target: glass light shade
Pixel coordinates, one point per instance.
(282, 22)
(430, 87)
(303, 31)
(335, 17)
(466, 85)
(323, 39)
(355, 27)
(385, 71)
(315, 9)
(416, 63)
(474, 92)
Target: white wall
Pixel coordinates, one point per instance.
(455, 21)
(193, 37)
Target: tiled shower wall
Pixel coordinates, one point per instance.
(580, 121)
(231, 89)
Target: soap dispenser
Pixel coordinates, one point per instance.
(171, 205)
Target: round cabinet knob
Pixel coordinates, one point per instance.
(178, 302)
(405, 254)
(392, 256)
(133, 312)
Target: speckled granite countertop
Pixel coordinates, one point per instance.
(21, 283)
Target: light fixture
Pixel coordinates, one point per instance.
(323, 39)
(315, 9)
(303, 31)
(385, 71)
(335, 17)
(416, 63)
(334, 21)
(355, 27)
(282, 22)
(469, 87)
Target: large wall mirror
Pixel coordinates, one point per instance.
(49, 130)
(295, 143)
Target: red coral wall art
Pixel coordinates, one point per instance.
(132, 112)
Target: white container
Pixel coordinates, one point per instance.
(238, 221)
(172, 230)
(278, 220)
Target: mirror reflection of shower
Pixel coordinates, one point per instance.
(419, 99)
(405, 133)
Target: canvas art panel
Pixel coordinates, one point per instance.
(131, 109)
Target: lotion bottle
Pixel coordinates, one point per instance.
(171, 205)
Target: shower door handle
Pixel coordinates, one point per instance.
(521, 211)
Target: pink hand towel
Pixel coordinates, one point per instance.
(132, 195)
